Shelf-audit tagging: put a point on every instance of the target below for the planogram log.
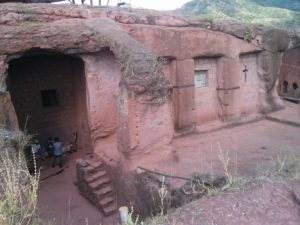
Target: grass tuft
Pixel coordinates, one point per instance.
(18, 188)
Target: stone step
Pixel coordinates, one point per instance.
(109, 209)
(95, 185)
(82, 163)
(93, 177)
(104, 191)
(98, 183)
(91, 170)
(96, 164)
(106, 201)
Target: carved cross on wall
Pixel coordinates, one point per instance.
(245, 71)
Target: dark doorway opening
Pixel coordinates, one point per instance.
(49, 98)
(295, 86)
(285, 85)
(49, 95)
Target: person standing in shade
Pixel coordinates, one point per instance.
(49, 147)
(57, 148)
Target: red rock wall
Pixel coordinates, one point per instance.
(103, 74)
(128, 106)
(206, 98)
(223, 98)
(151, 126)
(169, 68)
(184, 95)
(143, 127)
(228, 75)
(251, 85)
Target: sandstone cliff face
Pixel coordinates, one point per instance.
(139, 102)
(32, 29)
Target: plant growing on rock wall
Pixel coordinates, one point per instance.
(248, 34)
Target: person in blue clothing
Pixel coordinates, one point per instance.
(57, 150)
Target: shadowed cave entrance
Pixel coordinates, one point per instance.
(49, 95)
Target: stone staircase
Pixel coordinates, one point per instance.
(94, 183)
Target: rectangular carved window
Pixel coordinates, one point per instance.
(49, 98)
(201, 78)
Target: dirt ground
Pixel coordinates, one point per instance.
(251, 147)
(59, 200)
(263, 204)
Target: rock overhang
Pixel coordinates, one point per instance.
(77, 36)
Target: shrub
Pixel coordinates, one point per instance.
(18, 188)
(248, 34)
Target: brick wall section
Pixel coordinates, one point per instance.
(27, 77)
(206, 101)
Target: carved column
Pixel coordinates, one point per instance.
(229, 91)
(184, 92)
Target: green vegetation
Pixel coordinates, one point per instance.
(248, 34)
(278, 13)
(285, 4)
(18, 188)
(131, 220)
